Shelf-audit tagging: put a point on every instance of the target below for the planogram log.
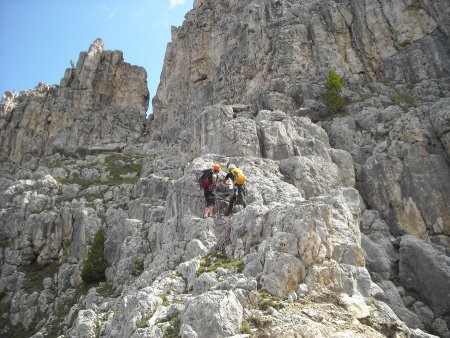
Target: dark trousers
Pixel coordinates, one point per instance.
(238, 196)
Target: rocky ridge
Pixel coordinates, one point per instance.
(309, 256)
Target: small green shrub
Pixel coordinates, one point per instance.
(245, 327)
(138, 267)
(267, 300)
(94, 268)
(334, 102)
(173, 329)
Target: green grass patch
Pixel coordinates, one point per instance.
(261, 322)
(143, 322)
(245, 327)
(403, 99)
(267, 300)
(165, 299)
(174, 328)
(119, 165)
(216, 260)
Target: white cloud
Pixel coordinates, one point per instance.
(174, 3)
(110, 12)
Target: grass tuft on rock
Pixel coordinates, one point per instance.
(215, 260)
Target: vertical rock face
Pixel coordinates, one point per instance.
(103, 101)
(401, 158)
(306, 232)
(274, 54)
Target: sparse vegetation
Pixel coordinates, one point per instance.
(94, 268)
(143, 322)
(35, 274)
(267, 300)
(121, 165)
(123, 169)
(404, 100)
(105, 290)
(260, 322)
(174, 328)
(245, 327)
(164, 297)
(334, 102)
(67, 243)
(4, 243)
(215, 260)
(138, 267)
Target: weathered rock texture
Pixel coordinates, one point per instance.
(100, 103)
(274, 54)
(303, 257)
(401, 160)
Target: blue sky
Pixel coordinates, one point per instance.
(38, 38)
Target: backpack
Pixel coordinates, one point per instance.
(239, 177)
(205, 179)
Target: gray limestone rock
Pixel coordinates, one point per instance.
(102, 101)
(213, 314)
(276, 55)
(440, 118)
(239, 79)
(393, 299)
(426, 271)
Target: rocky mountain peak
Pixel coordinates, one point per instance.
(101, 103)
(346, 229)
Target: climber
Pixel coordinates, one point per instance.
(208, 182)
(238, 178)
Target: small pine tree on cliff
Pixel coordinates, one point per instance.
(94, 268)
(334, 102)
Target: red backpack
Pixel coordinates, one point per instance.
(205, 180)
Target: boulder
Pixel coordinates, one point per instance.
(426, 271)
(213, 314)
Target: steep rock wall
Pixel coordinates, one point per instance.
(103, 101)
(274, 54)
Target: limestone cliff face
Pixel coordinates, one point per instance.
(310, 254)
(102, 101)
(274, 54)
